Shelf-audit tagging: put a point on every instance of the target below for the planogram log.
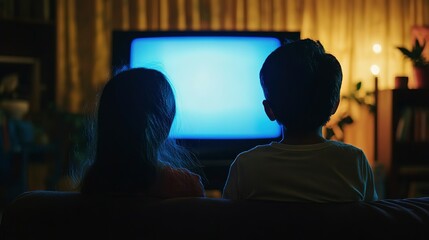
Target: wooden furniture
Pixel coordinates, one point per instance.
(27, 52)
(27, 49)
(403, 139)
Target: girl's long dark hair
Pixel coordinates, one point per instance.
(135, 112)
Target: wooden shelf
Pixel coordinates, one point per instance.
(403, 142)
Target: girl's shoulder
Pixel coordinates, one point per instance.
(180, 182)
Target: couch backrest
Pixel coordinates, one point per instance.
(70, 215)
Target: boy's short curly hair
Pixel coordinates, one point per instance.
(301, 83)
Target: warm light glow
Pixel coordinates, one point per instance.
(375, 69)
(376, 48)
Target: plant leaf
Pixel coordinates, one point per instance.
(358, 86)
(407, 53)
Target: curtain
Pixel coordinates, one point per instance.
(347, 29)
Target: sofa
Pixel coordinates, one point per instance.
(71, 215)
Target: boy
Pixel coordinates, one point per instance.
(301, 84)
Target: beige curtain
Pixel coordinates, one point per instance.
(347, 28)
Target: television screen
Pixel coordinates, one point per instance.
(215, 77)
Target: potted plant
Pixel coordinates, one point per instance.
(420, 63)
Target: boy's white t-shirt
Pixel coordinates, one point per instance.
(326, 172)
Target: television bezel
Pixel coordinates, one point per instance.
(204, 149)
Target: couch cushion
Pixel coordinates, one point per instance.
(67, 215)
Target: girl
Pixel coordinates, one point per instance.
(133, 154)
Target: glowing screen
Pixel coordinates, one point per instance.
(216, 83)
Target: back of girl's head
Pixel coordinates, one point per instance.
(136, 106)
(135, 112)
(301, 83)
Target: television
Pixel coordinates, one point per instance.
(215, 77)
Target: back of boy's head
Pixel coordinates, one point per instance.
(301, 83)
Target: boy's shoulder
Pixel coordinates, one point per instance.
(335, 146)
(253, 154)
(340, 143)
(258, 149)
(344, 146)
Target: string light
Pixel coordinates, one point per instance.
(376, 48)
(375, 69)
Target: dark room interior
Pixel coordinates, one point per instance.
(56, 56)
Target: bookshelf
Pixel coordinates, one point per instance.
(27, 52)
(403, 139)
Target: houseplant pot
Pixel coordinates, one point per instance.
(421, 75)
(420, 63)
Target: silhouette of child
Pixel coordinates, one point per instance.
(301, 84)
(133, 154)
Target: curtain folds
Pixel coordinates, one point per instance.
(347, 29)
